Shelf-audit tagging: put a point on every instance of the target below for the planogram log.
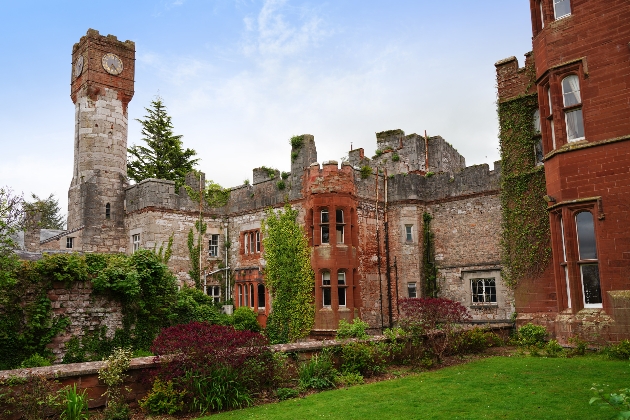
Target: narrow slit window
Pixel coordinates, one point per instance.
(261, 296)
(108, 211)
(408, 233)
(325, 228)
(326, 292)
(257, 241)
(340, 226)
(251, 294)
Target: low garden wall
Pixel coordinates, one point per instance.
(85, 375)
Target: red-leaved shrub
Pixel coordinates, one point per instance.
(202, 349)
(432, 319)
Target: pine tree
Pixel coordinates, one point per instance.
(163, 157)
(51, 217)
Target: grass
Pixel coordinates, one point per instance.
(493, 388)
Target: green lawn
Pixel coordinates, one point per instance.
(494, 388)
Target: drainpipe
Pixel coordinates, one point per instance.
(387, 262)
(378, 253)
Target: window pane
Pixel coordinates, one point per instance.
(339, 216)
(326, 295)
(342, 296)
(251, 294)
(325, 234)
(566, 280)
(590, 283)
(324, 218)
(341, 277)
(246, 303)
(553, 134)
(586, 236)
(408, 233)
(411, 290)
(537, 121)
(261, 296)
(542, 15)
(549, 101)
(538, 151)
(326, 278)
(561, 8)
(575, 125)
(340, 238)
(571, 90)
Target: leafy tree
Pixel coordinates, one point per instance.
(163, 157)
(48, 208)
(11, 217)
(289, 276)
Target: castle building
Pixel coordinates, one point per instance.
(576, 85)
(365, 219)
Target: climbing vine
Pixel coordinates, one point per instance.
(194, 250)
(296, 144)
(429, 268)
(214, 194)
(289, 277)
(525, 241)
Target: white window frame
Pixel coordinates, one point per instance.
(409, 233)
(588, 261)
(257, 241)
(69, 242)
(215, 293)
(213, 245)
(326, 286)
(325, 225)
(555, 13)
(135, 240)
(485, 284)
(413, 286)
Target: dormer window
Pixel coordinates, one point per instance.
(561, 8)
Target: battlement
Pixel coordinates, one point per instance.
(398, 153)
(513, 80)
(110, 39)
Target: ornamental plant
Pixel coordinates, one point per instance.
(214, 366)
(437, 319)
(289, 276)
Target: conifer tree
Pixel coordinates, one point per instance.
(51, 217)
(163, 157)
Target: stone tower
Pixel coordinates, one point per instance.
(102, 83)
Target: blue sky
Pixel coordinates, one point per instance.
(240, 77)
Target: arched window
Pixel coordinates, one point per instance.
(326, 293)
(587, 252)
(246, 302)
(572, 107)
(240, 295)
(542, 15)
(251, 294)
(261, 296)
(108, 211)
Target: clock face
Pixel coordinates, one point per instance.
(78, 66)
(112, 64)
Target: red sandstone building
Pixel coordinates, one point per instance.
(579, 72)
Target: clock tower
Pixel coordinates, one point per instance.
(102, 83)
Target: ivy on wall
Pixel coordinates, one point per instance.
(429, 268)
(289, 277)
(141, 282)
(214, 194)
(525, 242)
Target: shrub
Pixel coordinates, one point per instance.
(364, 358)
(530, 335)
(244, 318)
(354, 329)
(34, 397)
(579, 346)
(553, 349)
(318, 373)
(76, 404)
(163, 398)
(296, 142)
(475, 340)
(285, 175)
(366, 171)
(618, 402)
(194, 305)
(349, 379)
(620, 351)
(437, 318)
(217, 366)
(281, 185)
(113, 376)
(35, 361)
(395, 157)
(286, 393)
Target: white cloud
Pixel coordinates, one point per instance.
(272, 33)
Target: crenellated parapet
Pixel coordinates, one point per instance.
(514, 81)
